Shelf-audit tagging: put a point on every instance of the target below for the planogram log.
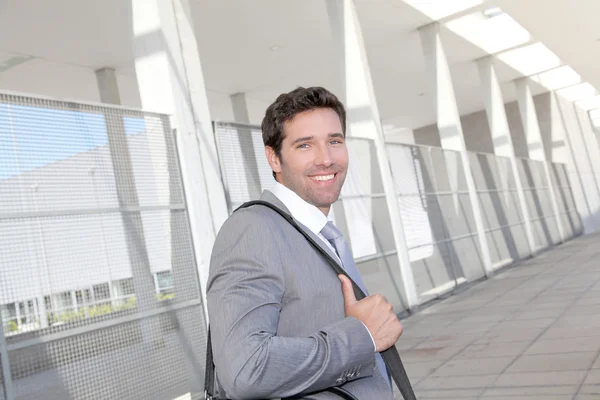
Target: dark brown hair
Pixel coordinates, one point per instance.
(288, 105)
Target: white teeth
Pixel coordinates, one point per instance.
(324, 178)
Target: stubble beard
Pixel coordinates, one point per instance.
(319, 199)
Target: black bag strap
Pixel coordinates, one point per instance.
(390, 356)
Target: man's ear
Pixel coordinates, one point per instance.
(273, 159)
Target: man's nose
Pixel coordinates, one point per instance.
(324, 156)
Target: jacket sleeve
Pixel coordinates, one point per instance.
(244, 295)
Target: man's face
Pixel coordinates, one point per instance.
(314, 157)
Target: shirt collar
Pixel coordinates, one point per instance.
(305, 213)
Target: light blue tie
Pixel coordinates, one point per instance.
(335, 237)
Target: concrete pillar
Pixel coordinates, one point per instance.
(364, 120)
(535, 143)
(170, 80)
(240, 115)
(240, 108)
(449, 124)
(501, 137)
(107, 86)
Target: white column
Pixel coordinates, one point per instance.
(170, 80)
(360, 100)
(535, 145)
(501, 137)
(449, 125)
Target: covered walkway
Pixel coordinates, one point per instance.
(531, 332)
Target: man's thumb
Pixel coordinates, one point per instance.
(347, 290)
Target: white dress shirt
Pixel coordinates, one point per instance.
(308, 215)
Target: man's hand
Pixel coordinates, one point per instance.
(376, 313)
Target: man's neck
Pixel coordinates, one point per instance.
(325, 210)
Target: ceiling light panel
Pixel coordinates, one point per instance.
(493, 35)
(589, 103)
(530, 59)
(577, 92)
(437, 9)
(557, 78)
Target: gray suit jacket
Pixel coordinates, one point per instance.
(277, 315)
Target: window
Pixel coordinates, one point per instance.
(79, 297)
(123, 287)
(164, 281)
(101, 292)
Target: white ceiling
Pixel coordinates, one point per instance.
(571, 29)
(235, 39)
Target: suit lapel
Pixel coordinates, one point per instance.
(271, 198)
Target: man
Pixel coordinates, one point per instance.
(283, 323)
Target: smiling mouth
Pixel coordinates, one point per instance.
(323, 178)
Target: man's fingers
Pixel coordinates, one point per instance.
(347, 290)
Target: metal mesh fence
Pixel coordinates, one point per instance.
(361, 212)
(99, 296)
(244, 167)
(435, 208)
(537, 195)
(567, 210)
(502, 215)
(437, 218)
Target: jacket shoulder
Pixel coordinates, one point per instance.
(251, 224)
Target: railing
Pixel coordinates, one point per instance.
(437, 218)
(502, 214)
(567, 209)
(90, 196)
(435, 208)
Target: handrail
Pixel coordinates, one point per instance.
(66, 101)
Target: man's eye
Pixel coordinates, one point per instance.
(303, 146)
(336, 142)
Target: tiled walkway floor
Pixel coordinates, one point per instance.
(531, 332)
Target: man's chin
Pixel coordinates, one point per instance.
(323, 202)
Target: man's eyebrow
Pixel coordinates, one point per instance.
(307, 138)
(302, 139)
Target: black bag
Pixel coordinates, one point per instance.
(390, 356)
